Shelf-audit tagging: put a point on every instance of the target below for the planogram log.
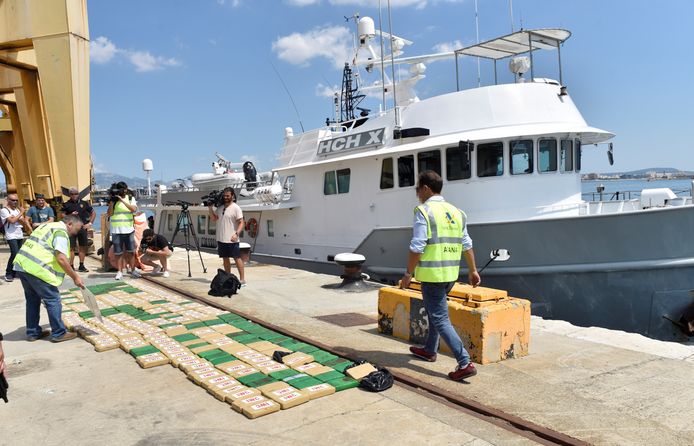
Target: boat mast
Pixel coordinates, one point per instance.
(392, 67)
(383, 73)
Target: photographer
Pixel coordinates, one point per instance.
(87, 214)
(12, 218)
(121, 210)
(155, 248)
(229, 219)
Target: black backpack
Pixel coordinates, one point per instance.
(224, 284)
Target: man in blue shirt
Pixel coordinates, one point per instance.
(40, 213)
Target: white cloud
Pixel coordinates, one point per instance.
(371, 3)
(103, 51)
(234, 3)
(330, 42)
(326, 90)
(303, 2)
(446, 47)
(145, 61)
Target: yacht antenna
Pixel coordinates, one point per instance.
(296, 110)
(392, 67)
(383, 73)
(477, 31)
(349, 99)
(510, 13)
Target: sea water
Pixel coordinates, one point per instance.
(632, 188)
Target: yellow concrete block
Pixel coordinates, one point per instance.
(491, 329)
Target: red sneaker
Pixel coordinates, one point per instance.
(423, 354)
(460, 374)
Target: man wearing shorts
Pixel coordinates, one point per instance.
(229, 219)
(85, 212)
(121, 210)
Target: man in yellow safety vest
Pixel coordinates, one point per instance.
(439, 241)
(41, 265)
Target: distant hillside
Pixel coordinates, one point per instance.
(105, 179)
(650, 169)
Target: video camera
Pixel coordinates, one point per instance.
(214, 198)
(119, 189)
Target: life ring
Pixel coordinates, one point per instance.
(252, 227)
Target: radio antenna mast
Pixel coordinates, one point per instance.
(296, 110)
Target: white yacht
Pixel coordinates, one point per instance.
(510, 157)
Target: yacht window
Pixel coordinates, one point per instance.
(567, 162)
(490, 159)
(458, 162)
(406, 171)
(270, 228)
(547, 155)
(387, 180)
(288, 187)
(336, 182)
(579, 152)
(329, 183)
(521, 156)
(169, 222)
(430, 160)
(202, 224)
(343, 181)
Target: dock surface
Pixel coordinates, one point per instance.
(598, 386)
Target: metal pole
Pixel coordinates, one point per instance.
(383, 73)
(457, 76)
(477, 31)
(392, 64)
(561, 81)
(496, 81)
(510, 13)
(530, 45)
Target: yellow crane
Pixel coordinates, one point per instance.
(44, 97)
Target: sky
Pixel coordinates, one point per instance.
(177, 81)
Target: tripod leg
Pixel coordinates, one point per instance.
(197, 246)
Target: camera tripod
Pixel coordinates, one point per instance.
(184, 224)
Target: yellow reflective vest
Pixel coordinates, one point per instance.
(37, 256)
(440, 261)
(122, 217)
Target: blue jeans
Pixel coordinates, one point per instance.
(15, 246)
(36, 290)
(434, 295)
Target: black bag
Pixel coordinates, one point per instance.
(224, 284)
(377, 381)
(278, 355)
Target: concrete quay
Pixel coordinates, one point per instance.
(596, 385)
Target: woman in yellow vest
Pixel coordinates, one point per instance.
(438, 242)
(41, 265)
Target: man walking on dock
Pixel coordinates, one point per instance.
(438, 242)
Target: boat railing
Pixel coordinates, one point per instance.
(625, 195)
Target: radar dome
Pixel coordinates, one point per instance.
(519, 65)
(147, 165)
(366, 27)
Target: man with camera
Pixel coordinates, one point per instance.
(229, 219)
(121, 210)
(155, 248)
(84, 211)
(12, 218)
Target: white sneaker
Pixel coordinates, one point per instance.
(136, 273)
(156, 270)
(119, 275)
(243, 283)
(165, 274)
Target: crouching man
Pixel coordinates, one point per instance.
(41, 265)
(155, 248)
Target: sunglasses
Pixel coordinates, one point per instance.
(10, 199)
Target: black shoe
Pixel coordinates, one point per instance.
(82, 269)
(44, 334)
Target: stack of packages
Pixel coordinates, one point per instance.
(229, 356)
